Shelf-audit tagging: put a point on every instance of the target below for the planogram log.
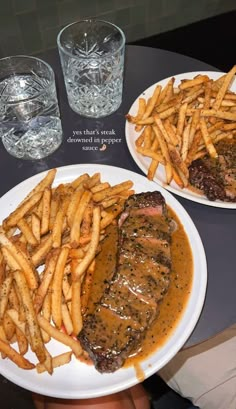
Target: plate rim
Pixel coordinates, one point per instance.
(126, 383)
(137, 157)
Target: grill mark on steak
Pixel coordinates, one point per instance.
(130, 303)
(216, 178)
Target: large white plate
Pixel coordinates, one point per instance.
(144, 162)
(78, 380)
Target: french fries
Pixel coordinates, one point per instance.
(17, 358)
(57, 361)
(57, 286)
(48, 248)
(187, 122)
(31, 320)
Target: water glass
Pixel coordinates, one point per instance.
(30, 124)
(92, 59)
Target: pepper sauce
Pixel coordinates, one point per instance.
(174, 302)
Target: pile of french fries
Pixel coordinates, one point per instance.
(179, 124)
(48, 248)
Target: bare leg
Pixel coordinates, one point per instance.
(140, 397)
(133, 398)
(39, 401)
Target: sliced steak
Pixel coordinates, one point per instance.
(130, 303)
(216, 178)
(202, 177)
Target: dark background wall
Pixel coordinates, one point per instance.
(31, 26)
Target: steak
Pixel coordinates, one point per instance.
(216, 178)
(130, 303)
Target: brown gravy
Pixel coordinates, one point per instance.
(174, 302)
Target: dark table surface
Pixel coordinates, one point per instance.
(217, 228)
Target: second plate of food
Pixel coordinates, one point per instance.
(133, 133)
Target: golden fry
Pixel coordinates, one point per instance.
(57, 361)
(169, 91)
(17, 358)
(35, 226)
(87, 220)
(27, 232)
(8, 327)
(46, 313)
(181, 120)
(36, 341)
(110, 201)
(151, 154)
(152, 102)
(60, 336)
(45, 219)
(66, 318)
(152, 169)
(185, 141)
(9, 259)
(194, 125)
(20, 258)
(21, 341)
(48, 273)
(100, 186)
(178, 180)
(76, 253)
(193, 96)
(111, 191)
(229, 127)
(3, 335)
(80, 180)
(55, 203)
(75, 228)
(57, 286)
(168, 112)
(14, 315)
(21, 211)
(47, 363)
(95, 236)
(147, 133)
(108, 218)
(93, 181)
(207, 139)
(178, 161)
(140, 113)
(165, 153)
(230, 116)
(162, 129)
(73, 205)
(165, 91)
(207, 94)
(58, 223)
(4, 294)
(221, 93)
(191, 83)
(40, 252)
(67, 288)
(173, 136)
(46, 182)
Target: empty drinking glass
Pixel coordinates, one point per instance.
(92, 59)
(30, 125)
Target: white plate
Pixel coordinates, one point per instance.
(144, 162)
(78, 380)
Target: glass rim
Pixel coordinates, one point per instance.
(68, 53)
(32, 58)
